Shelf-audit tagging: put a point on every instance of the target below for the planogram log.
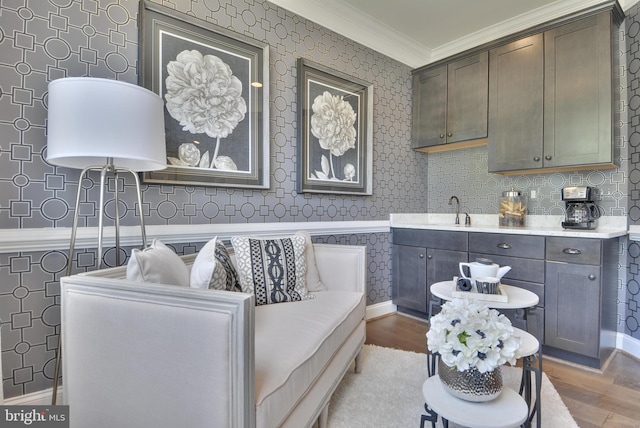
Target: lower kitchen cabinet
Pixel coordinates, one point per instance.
(420, 258)
(525, 254)
(409, 267)
(580, 299)
(575, 280)
(573, 307)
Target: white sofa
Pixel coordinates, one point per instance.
(149, 355)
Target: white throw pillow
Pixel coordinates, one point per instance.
(213, 269)
(313, 276)
(158, 264)
(273, 269)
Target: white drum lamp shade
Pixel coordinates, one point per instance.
(92, 119)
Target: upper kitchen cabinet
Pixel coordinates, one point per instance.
(578, 110)
(516, 87)
(450, 104)
(551, 103)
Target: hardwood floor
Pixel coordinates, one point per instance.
(609, 399)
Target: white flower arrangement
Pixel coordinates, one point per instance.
(469, 335)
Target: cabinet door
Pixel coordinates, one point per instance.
(578, 91)
(429, 107)
(443, 265)
(468, 98)
(516, 88)
(409, 267)
(572, 308)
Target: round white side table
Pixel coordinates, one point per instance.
(507, 411)
(518, 298)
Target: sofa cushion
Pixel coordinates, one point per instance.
(294, 343)
(158, 264)
(213, 269)
(273, 269)
(313, 276)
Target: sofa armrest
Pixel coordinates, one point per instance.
(138, 354)
(342, 267)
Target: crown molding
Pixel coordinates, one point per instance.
(352, 23)
(514, 25)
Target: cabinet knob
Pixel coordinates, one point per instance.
(504, 246)
(422, 256)
(429, 256)
(449, 134)
(572, 251)
(441, 135)
(548, 157)
(536, 158)
(592, 277)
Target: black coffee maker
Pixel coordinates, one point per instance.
(581, 212)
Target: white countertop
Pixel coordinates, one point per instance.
(545, 225)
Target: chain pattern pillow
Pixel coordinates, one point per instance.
(273, 269)
(213, 268)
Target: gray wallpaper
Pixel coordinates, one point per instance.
(632, 318)
(48, 39)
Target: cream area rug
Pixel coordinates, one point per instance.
(388, 393)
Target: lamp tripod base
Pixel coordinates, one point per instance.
(104, 171)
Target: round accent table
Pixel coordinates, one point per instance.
(518, 298)
(507, 411)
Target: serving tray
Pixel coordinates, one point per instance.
(473, 294)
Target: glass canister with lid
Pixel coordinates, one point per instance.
(512, 211)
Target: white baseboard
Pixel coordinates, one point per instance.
(38, 398)
(380, 309)
(628, 344)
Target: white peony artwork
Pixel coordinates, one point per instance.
(333, 124)
(204, 96)
(335, 132)
(215, 85)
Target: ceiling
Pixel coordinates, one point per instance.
(417, 32)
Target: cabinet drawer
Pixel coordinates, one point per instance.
(574, 250)
(522, 268)
(439, 239)
(503, 244)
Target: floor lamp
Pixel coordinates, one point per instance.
(108, 126)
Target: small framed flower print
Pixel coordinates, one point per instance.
(215, 86)
(335, 131)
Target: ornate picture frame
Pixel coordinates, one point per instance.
(335, 131)
(217, 134)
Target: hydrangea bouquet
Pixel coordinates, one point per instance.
(469, 335)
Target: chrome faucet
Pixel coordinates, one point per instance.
(457, 207)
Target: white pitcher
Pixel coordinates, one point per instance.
(483, 267)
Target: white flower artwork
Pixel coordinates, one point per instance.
(205, 97)
(333, 124)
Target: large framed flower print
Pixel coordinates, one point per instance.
(335, 131)
(215, 84)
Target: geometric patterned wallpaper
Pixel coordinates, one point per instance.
(41, 41)
(632, 319)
